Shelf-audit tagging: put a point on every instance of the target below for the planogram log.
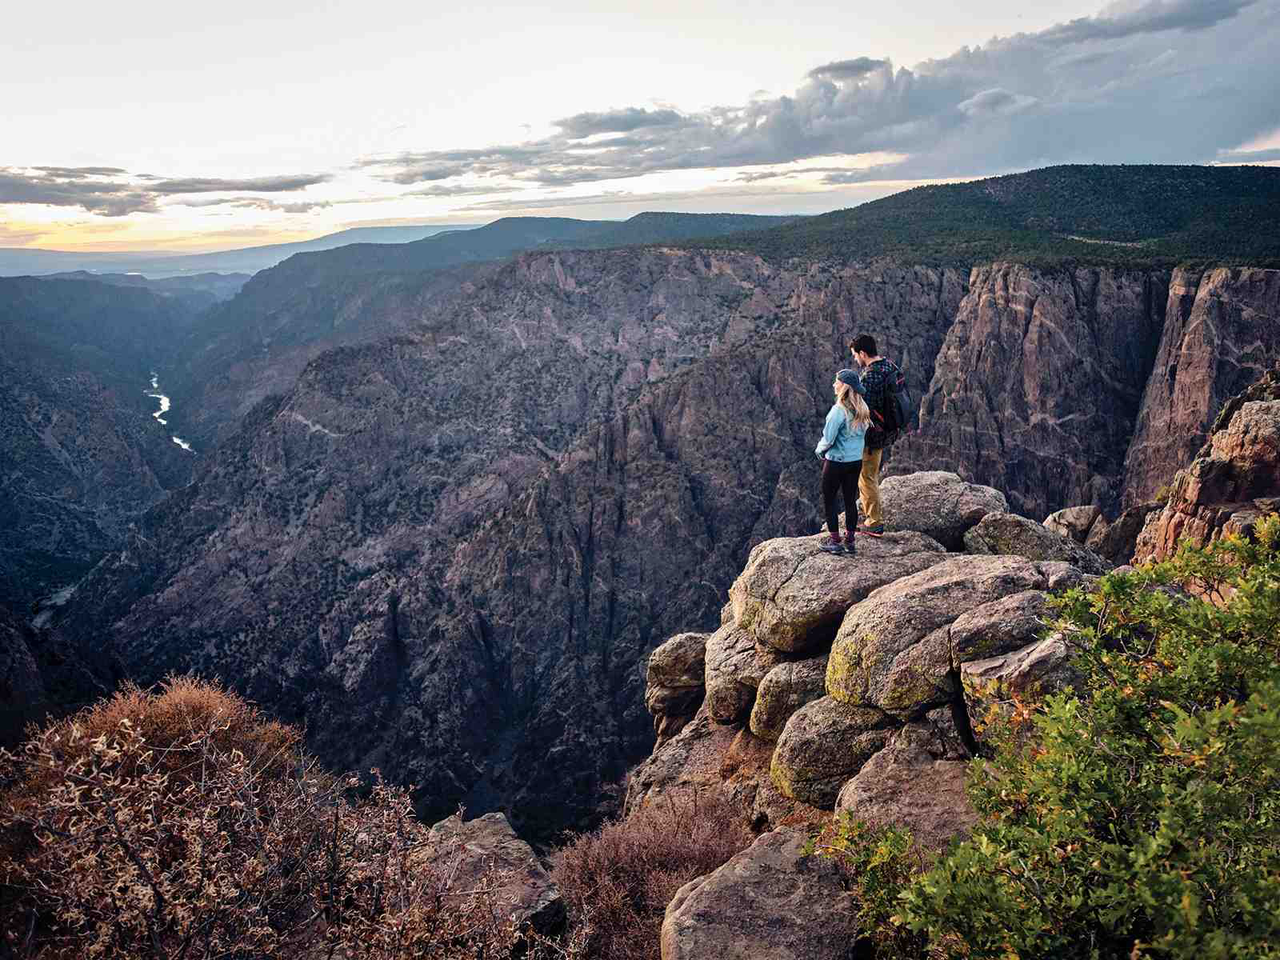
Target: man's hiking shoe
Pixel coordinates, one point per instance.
(872, 531)
(832, 545)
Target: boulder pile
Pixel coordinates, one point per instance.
(854, 683)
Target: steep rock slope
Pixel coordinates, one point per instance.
(1038, 383)
(1233, 481)
(450, 553)
(80, 450)
(1222, 331)
(285, 316)
(410, 552)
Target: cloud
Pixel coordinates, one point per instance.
(258, 184)
(108, 198)
(995, 102)
(114, 192)
(616, 121)
(259, 203)
(1094, 90)
(1250, 156)
(848, 69)
(1121, 20)
(458, 190)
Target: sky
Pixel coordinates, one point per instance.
(148, 125)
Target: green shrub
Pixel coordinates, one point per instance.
(1142, 817)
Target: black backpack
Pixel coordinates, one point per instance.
(899, 411)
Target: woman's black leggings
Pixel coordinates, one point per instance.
(837, 476)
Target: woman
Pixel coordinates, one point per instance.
(841, 451)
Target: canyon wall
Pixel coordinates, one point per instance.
(450, 553)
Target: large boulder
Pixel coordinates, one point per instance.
(1233, 482)
(991, 685)
(735, 665)
(998, 627)
(769, 901)
(893, 650)
(938, 504)
(784, 690)
(824, 743)
(1010, 534)
(916, 782)
(791, 595)
(1074, 522)
(486, 849)
(674, 683)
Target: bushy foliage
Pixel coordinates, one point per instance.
(1138, 816)
(182, 824)
(618, 880)
(877, 862)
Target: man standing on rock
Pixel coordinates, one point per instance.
(878, 379)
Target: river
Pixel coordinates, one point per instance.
(164, 408)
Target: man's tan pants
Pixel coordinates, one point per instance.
(869, 487)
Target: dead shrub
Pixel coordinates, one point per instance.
(618, 880)
(181, 824)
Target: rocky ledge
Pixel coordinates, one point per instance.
(856, 682)
(1233, 481)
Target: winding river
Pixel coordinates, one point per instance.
(164, 408)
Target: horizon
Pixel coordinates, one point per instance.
(722, 110)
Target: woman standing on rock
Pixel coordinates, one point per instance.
(841, 452)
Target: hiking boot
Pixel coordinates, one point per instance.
(850, 547)
(872, 530)
(832, 545)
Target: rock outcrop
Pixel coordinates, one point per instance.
(1039, 383)
(486, 853)
(1008, 533)
(1233, 481)
(884, 731)
(916, 782)
(675, 683)
(1221, 333)
(771, 900)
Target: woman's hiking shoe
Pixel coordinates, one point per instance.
(850, 547)
(832, 545)
(872, 531)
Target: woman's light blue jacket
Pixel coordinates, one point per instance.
(840, 442)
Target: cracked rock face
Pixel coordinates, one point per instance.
(791, 595)
(991, 684)
(1221, 334)
(1074, 522)
(1231, 484)
(938, 504)
(893, 650)
(674, 682)
(770, 900)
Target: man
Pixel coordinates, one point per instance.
(878, 377)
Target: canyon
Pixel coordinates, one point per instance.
(449, 553)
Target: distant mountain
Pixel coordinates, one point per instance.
(258, 342)
(21, 261)
(81, 450)
(199, 290)
(1140, 216)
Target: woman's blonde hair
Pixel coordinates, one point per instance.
(856, 412)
